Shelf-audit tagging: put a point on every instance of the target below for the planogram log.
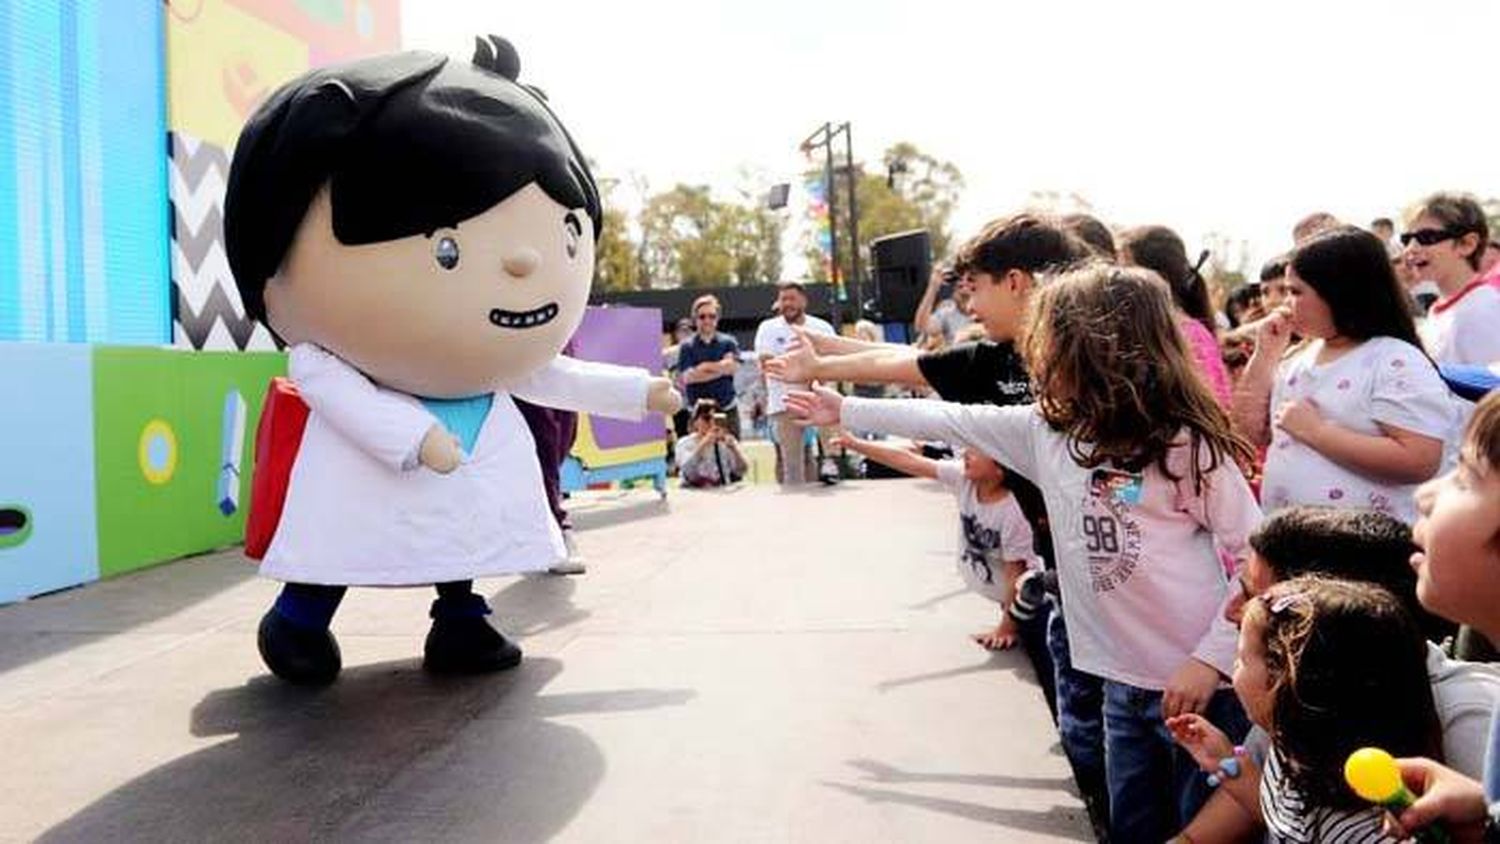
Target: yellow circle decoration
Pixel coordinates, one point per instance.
(157, 452)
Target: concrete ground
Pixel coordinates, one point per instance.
(737, 665)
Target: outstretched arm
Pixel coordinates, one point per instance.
(871, 363)
(1003, 433)
(622, 392)
(897, 458)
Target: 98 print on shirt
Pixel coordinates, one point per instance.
(1111, 537)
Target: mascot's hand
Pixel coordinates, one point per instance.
(440, 450)
(662, 398)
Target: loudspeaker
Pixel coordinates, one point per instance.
(899, 266)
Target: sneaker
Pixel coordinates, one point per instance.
(828, 472)
(571, 564)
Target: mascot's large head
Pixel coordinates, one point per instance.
(430, 222)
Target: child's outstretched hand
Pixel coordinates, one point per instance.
(797, 366)
(819, 406)
(1203, 741)
(844, 439)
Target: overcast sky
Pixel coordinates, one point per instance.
(1205, 116)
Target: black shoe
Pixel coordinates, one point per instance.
(828, 472)
(301, 655)
(468, 645)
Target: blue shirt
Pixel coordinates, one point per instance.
(695, 351)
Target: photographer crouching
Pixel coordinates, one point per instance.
(709, 455)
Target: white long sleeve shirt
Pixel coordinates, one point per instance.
(361, 510)
(1143, 586)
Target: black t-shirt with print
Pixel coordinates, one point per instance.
(986, 372)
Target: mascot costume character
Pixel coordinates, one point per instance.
(420, 232)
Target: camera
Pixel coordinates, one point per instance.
(951, 277)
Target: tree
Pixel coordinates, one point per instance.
(691, 238)
(1228, 261)
(616, 266)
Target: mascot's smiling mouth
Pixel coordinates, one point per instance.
(524, 319)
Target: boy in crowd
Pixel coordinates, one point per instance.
(1458, 577)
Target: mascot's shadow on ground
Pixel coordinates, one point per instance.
(388, 752)
(420, 232)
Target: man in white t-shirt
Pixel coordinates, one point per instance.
(773, 338)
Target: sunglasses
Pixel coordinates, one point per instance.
(1432, 237)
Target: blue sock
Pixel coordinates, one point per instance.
(310, 605)
(456, 599)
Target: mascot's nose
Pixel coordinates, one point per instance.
(522, 262)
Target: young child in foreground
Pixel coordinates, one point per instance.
(1458, 577)
(1369, 547)
(995, 542)
(1324, 668)
(1140, 471)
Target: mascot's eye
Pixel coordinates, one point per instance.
(445, 252)
(573, 231)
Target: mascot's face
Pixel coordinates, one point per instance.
(463, 311)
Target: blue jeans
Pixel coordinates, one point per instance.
(1080, 712)
(1154, 786)
(1033, 635)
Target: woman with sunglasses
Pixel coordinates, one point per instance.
(1445, 242)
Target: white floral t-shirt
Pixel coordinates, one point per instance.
(1384, 380)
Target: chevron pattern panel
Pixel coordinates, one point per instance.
(206, 309)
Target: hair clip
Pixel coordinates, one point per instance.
(1281, 603)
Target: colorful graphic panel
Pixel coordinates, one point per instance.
(83, 203)
(173, 439)
(632, 337)
(47, 537)
(223, 58)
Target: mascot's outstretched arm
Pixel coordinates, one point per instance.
(621, 392)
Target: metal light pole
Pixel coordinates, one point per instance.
(859, 299)
(823, 137)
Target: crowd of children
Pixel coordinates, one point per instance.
(1234, 597)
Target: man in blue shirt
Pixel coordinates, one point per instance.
(707, 361)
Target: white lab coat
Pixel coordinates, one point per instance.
(362, 511)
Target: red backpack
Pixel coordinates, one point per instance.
(283, 417)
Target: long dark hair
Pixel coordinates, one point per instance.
(1159, 248)
(1351, 271)
(407, 143)
(1113, 373)
(1347, 669)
